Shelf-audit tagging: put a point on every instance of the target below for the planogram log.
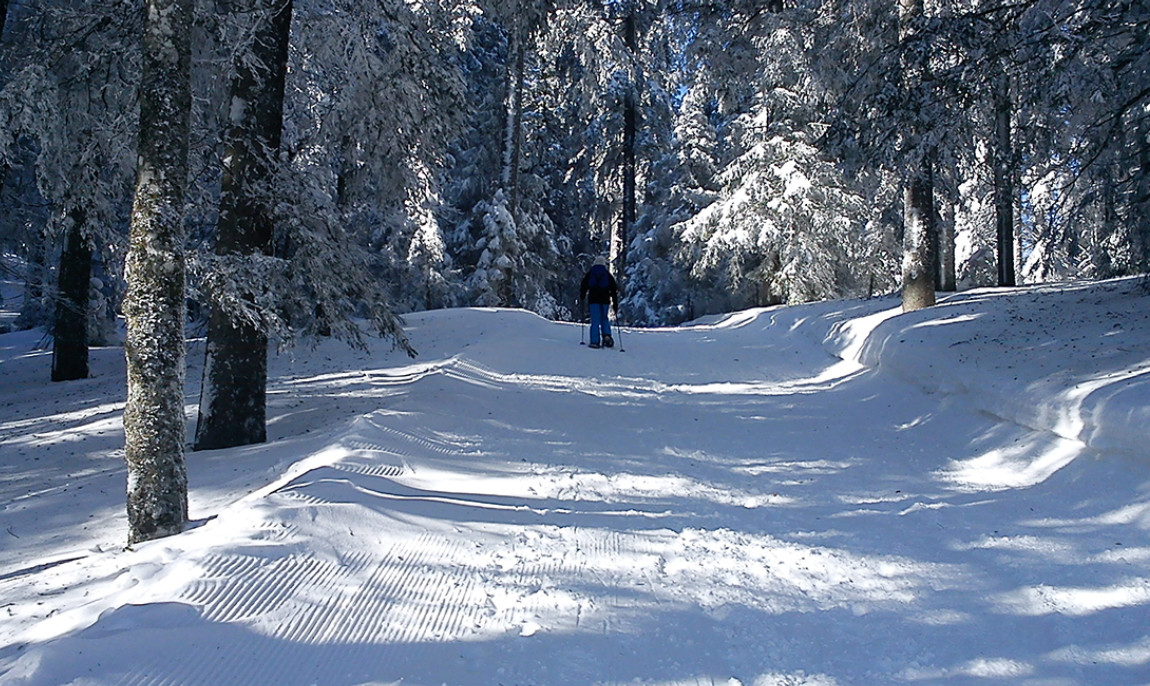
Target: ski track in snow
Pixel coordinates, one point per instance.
(526, 512)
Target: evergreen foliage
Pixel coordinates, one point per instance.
(773, 140)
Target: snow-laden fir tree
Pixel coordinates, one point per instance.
(787, 224)
(504, 238)
(69, 106)
(788, 228)
(348, 202)
(573, 143)
(1083, 135)
(373, 98)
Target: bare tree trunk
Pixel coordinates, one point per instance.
(1140, 132)
(626, 225)
(70, 330)
(920, 240)
(945, 267)
(154, 424)
(32, 311)
(233, 401)
(918, 279)
(513, 143)
(1004, 181)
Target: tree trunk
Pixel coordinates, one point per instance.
(945, 266)
(32, 310)
(513, 136)
(1004, 181)
(70, 330)
(154, 425)
(920, 238)
(233, 400)
(343, 179)
(1141, 215)
(630, 125)
(918, 279)
(3, 21)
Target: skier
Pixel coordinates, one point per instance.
(598, 291)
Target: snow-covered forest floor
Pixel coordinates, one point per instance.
(828, 494)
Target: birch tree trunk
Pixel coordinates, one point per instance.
(70, 330)
(233, 400)
(154, 424)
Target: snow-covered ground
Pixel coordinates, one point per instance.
(821, 495)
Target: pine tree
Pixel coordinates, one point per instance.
(786, 219)
(69, 106)
(365, 173)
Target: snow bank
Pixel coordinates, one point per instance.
(1014, 354)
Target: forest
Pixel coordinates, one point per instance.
(269, 171)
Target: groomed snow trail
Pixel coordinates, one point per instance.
(722, 504)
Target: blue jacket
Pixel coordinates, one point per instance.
(598, 287)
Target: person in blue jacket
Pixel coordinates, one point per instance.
(598, 291)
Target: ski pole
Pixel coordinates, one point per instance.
(619, 328)
(582, 326)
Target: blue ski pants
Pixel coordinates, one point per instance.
(600, 322)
